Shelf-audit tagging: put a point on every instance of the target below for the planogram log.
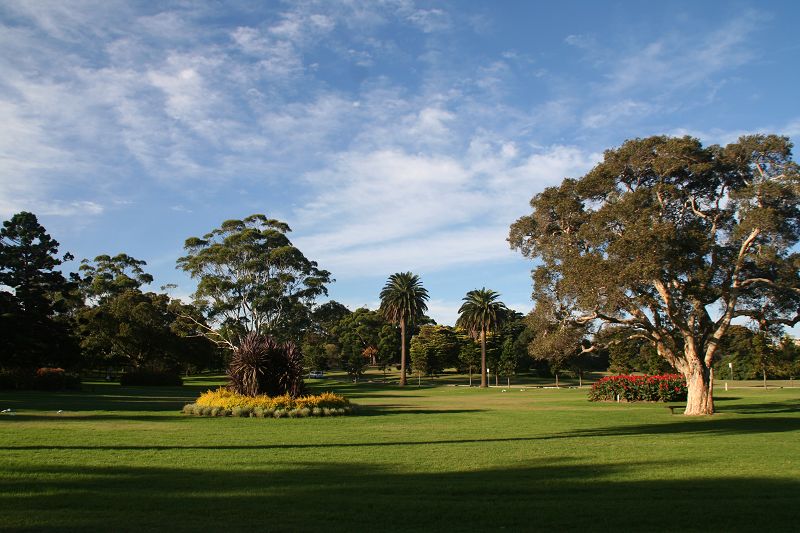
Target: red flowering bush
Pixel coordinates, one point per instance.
(661, 388)
(55, 379)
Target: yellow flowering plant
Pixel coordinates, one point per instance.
(228, 401)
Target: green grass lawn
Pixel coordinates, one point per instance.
(420, 459)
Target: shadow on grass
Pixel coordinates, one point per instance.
(104, 397)
(349, 388)
(788, 406)
(737, 426)
(343, 497)
(401, 409)
(715, 426)
(94, 417)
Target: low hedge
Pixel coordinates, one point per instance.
(224, 402)
(42, 379)
(150, 378)
(660, 388)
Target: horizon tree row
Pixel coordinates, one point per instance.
(668, 243)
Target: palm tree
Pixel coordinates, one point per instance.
(402, 301)
(478, 314)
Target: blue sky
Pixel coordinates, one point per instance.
(391, 136)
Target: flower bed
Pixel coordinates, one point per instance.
(661, 388)
(224, 402)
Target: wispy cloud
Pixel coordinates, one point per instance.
(386, 137)
(384, 208)
(676, 61)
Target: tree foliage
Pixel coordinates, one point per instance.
(251, 279)
(403, 301)
(107, 276)
(359, 335)
(626, 352)
(126, 326)
(675, 240)
(755, 355)
(480, 312)
(34, 328)
(433, 349)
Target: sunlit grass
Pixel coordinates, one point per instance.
(430, 458)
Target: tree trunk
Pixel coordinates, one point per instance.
(470, 375)
(700, 382)
(580, 379)
(764, 373)
(402, 352)
(484, 384)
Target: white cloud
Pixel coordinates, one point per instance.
(81, 207)
(382, 211)
(677, 61)
(430, 20)
(584, 42)
(431, 124)
(431, 252)
(444, 312)
(607, 115)
(720, 136)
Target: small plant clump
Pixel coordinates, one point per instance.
(628, 388)
(261, 365)
(224, 402)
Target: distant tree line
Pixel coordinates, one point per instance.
(99, 317)
(654, 260)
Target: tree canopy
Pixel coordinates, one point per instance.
(480, 312)
(252, 279)
(402, 302)
(126, 326)
(33, 328)
(674, 240)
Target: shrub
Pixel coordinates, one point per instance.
(55, 379)
(241, 411)
(261, 365)
(661, 388)
(226, 401)
(151, 378)
(229, 399)
(41, 379)
(9, 380)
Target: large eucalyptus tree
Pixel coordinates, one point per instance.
(675, 240)
(402, 302)
(253, 280)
